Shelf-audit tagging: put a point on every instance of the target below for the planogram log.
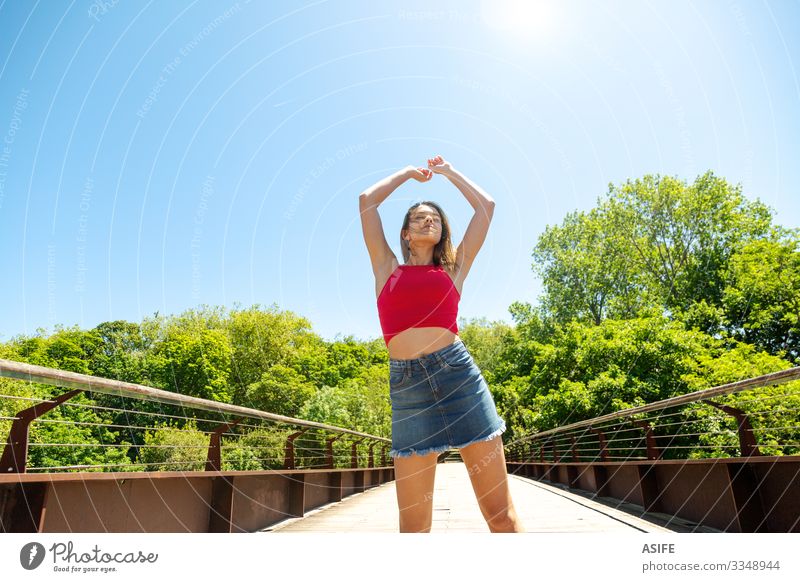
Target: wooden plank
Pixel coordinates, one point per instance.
(542, 507)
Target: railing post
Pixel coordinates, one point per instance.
(747, 441)
(329, 451)
(354, 454)
(371, 460)
(554, 450)
(288, 456)
(602, 438)
(214, 458)
(652, 451)
(15, 455)
(383, 455)
(573, 449)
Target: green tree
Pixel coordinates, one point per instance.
(257, 449)
(484, 340)
(281, 390)
(682, 235)
(169, 448)
(360, 404)
(195, 363)
(67, 348)
(121, 352)
(654, 245)
(761, 297)
(583, 370)
(586, 270)
(261, 338)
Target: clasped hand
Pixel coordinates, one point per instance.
(436, 165)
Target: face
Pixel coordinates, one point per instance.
(425, 223)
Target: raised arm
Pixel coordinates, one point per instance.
(479, 200)
(379, 251)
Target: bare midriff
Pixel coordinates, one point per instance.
(416, 342)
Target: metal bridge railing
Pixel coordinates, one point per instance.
(736, 419)
(166, 431)
(725, 458)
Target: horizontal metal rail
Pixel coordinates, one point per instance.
(65, 379)
(772, 379)
(296, 451)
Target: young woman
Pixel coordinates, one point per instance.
(440, 399)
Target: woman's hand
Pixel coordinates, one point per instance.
(438, 165)
(419, 174)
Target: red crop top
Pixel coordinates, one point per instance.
(418, 296)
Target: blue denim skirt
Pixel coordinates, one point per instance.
(440, 401)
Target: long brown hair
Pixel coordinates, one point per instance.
(443, 253)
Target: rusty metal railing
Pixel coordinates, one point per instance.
(638, 434)
(239, 437)
(726, 458)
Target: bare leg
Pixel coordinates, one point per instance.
(486, 464)
(414, 484)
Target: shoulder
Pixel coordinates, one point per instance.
(452, 269)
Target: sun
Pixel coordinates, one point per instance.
(518, 17)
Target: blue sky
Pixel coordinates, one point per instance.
(156, 156)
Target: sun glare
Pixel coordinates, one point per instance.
(524, 18)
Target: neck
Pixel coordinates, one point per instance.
(421, 259)
(420, 252)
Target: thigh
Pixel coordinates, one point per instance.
(486, 465)
(414, 478)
